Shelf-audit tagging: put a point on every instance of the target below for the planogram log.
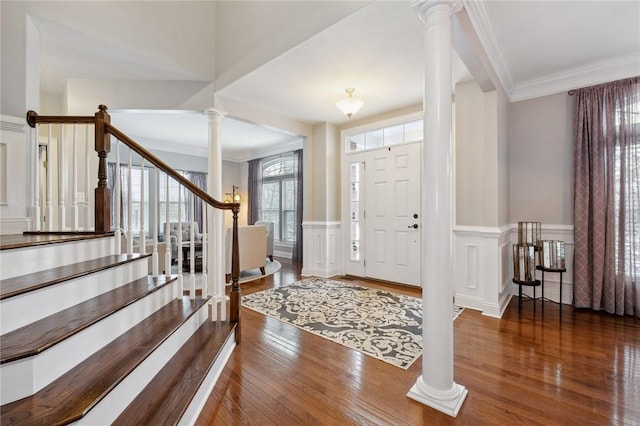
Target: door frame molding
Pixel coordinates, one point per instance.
(345, 229)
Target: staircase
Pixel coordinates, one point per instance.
(89, 337)
(90, 334)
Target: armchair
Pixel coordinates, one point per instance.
(252, 249)
(270, 226)
(148, 250)
(186, 236)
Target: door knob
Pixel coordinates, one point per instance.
(414, 226)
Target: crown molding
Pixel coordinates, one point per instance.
(487, 36)
(601, 72)
(12, 124)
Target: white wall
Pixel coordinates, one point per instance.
(541, 160)
(275, 28)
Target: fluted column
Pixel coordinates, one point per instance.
(215, 218)
(435, 387)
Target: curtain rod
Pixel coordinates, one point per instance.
(571, 92)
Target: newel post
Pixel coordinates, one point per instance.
(102, 192)
(234, 297)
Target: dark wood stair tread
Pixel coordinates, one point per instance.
(25, 283)
(41, 335)
(165, 399)
(31, 239)
(72, 395)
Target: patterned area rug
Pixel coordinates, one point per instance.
(383, 325)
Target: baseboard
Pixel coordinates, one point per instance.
(14, 225)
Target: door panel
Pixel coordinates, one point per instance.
(392, 187)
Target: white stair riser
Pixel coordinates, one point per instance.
(21, 310)
(27, 260)
(109, 408)
(197, 403)
(27, 376)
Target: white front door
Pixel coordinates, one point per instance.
(392, 206)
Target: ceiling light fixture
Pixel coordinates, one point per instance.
(349, 105)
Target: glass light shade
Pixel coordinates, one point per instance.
(349, 105)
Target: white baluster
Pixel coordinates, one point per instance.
(180, 287)
(35, 215)
(167, 236)
(62, 212)
(142, 234)
(48, 216)
(88, 211)
(129, 209)
(205, 264)
(192, 249)
(74, 183)
(117, 188)
(154, 222)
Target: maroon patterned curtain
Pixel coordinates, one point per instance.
(606, 260)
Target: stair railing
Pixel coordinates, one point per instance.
(69, 140)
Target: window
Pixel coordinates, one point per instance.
(174, 207)
(279, 197)
(386, 136)
(138, 190)
(139, 186)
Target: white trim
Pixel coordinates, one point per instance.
(14, 225)
(481, 268)
(601, 72)
(486, 34)
(620, 67)
(12, 124)
(3, 173)
(321, 249)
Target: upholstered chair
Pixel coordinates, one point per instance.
(252, 248)
(270, 228)
(186, 235)
(148, 249)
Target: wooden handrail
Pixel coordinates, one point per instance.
(103, 128)
(143, 152)
(33, 118)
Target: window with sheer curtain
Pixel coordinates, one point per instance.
(138, 189)
(607, 197)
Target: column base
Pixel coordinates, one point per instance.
(445, 402)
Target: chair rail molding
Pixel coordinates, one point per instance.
(321, 248)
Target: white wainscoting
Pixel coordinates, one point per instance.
(14, 178)
(321, 249)
(483, 267)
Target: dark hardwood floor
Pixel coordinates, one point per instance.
(582, 369)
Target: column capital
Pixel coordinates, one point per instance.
(213, 113)
(422, 7)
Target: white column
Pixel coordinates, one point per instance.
(215, 218)
(435, 387)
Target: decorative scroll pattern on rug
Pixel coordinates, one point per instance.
(378, 323)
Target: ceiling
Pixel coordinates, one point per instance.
(535, 47)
